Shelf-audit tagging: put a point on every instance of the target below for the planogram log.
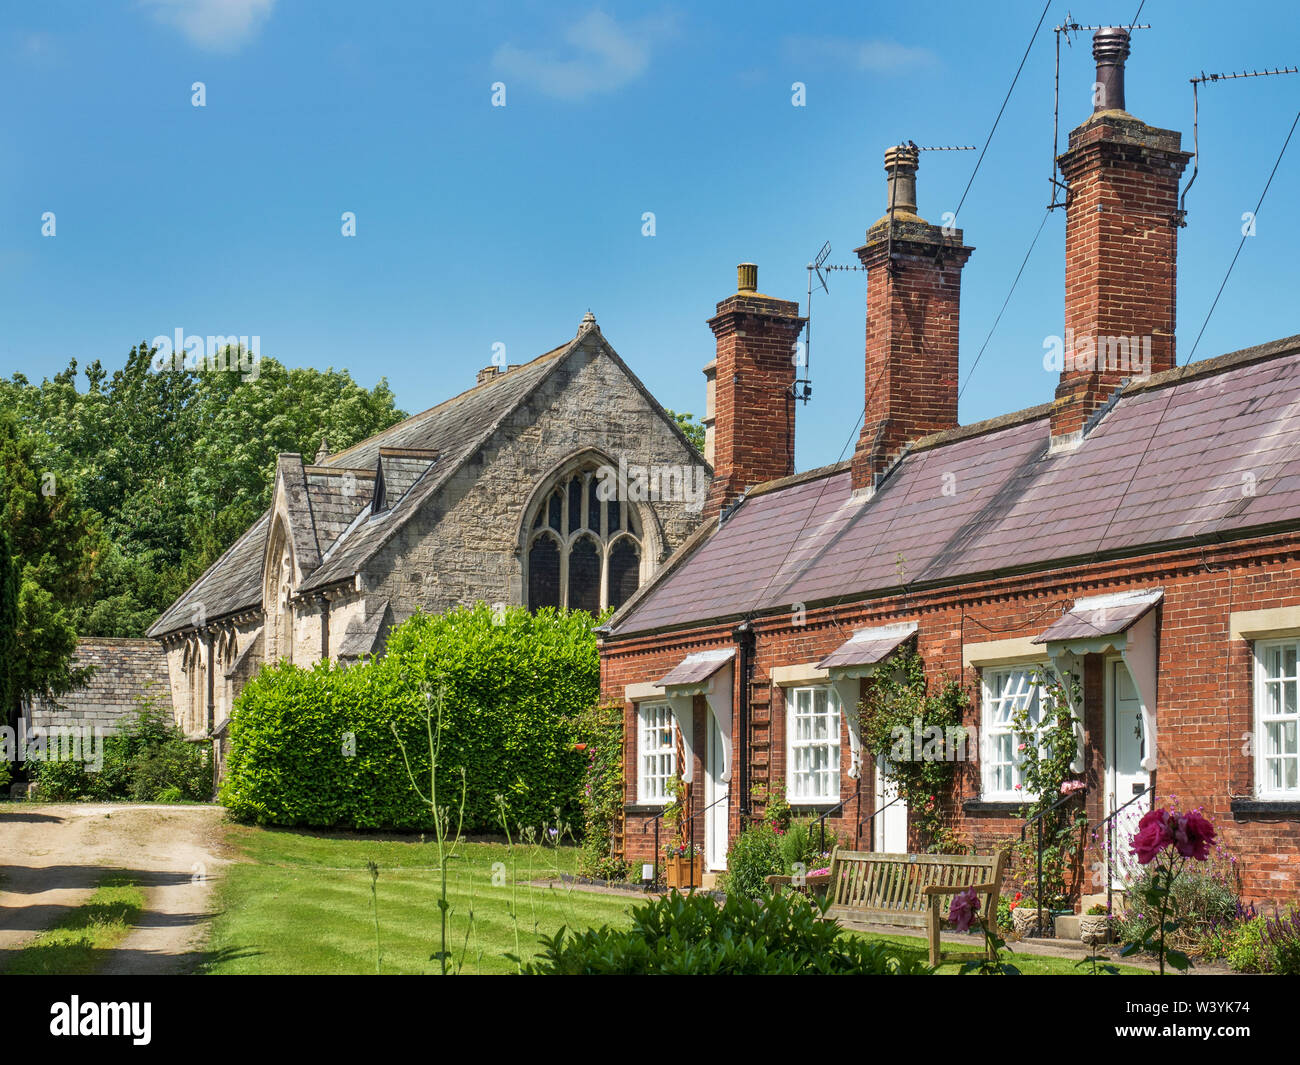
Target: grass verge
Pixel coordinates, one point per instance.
(78, 944)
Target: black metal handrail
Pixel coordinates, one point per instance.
(821, 821)
(690, 821)
(1038, 818)
(1110, 851)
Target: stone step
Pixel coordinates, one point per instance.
(1067, 927)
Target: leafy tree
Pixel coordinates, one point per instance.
(51, 545)
(176, 463)
(691, 429)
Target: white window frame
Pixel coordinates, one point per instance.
(653, 717)
(994, 694)
(831, 741)
(1263, 719)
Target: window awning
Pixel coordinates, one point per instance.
(706, 673)
(855, 658)
(1124, 622)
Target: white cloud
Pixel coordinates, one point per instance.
(600, 56)
(214, 25)
(869, 56)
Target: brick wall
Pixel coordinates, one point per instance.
(1204, 705)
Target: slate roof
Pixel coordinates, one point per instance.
(990, 499)
(339, 543)
(362, 636)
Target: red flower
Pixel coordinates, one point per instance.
(579, 746)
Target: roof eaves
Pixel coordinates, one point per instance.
(153, 630)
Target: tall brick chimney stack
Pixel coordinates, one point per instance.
(913, 305)
(753, 374)
(1121, 247)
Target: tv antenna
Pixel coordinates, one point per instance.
(802, 387)
(1066, 28)
(1197, 82)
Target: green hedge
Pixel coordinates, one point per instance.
(316, 747)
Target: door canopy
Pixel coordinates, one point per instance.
(706, 673)
(858, 657)
(1124, 622)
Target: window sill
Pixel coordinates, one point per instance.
(1245, 808)
(806, 808)
(994, 807)
(644, 807)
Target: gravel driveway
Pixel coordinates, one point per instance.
(52, 856)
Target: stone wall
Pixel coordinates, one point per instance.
(465, 544)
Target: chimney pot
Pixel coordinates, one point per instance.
(487, 373)
(901, 163)
(1110, 47)
(747, 277)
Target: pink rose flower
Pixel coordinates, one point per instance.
(1154, 834)
(964, 909)
(1193, 835)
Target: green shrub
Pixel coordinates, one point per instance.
(1201, 901)
(172, 794)
(601, 729)
(1004, 913)
(60, 781)
(802, 843)
(317, 747)
(1282, 938)
(754, 855)
(148, 755)
(692, 935)
(1247, 952)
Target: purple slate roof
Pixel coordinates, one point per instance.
(696, 668)
(991, 498)
(867, 647)
(1105, 615)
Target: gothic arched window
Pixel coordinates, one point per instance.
(582, 552)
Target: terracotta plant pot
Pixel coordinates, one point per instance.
(1094, 928)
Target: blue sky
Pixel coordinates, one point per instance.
(479, 225)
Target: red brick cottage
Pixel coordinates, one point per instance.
(1142, 532)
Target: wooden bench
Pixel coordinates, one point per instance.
(907, 890)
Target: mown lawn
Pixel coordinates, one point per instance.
(300, 902)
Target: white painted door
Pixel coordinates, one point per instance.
(715, 801)
(1125, 777)
(891, 816)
